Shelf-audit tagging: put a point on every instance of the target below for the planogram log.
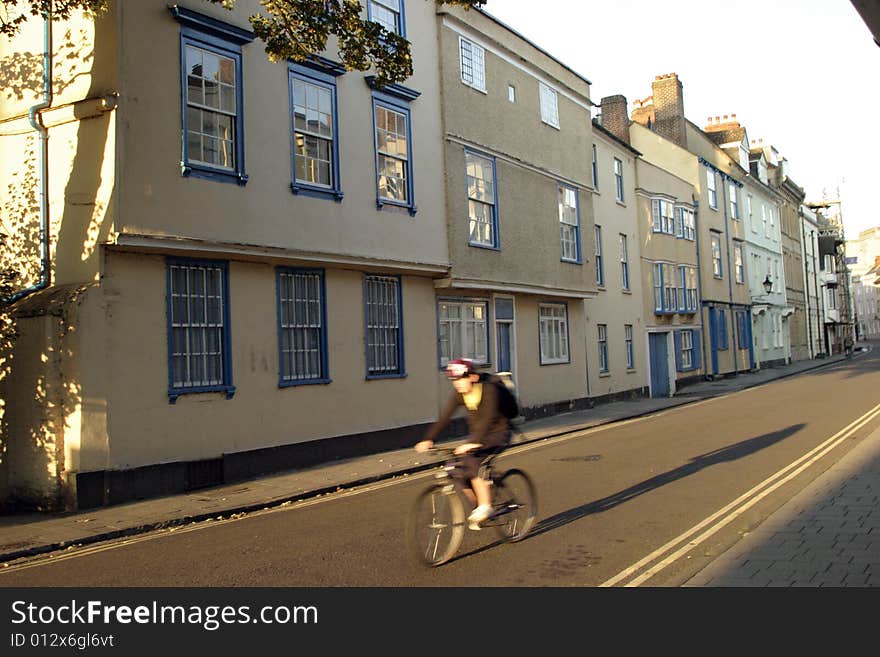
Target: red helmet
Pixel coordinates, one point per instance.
(459, 368)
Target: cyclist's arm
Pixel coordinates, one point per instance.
(445, 415)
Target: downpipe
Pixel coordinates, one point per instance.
(36, 120)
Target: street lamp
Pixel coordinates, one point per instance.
(768, 284)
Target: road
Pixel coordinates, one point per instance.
(649, 502)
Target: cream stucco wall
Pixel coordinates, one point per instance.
(158, 201)
(614, 306)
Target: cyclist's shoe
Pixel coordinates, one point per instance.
(478, 515)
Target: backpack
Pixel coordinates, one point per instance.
(507, 398)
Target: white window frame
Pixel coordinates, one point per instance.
(628, 342)
(472, 64)
(717, 267)
(624, 262)
(467, 334)
(600, 270)
(602, 343)
(739, 265)
(482, 197)
(549, 101)
(618, 179)
(687, 349)
(569, 222)
(711, 188)
(553, 332)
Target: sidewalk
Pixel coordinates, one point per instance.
(25, 535)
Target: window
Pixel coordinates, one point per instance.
(686, 221)
(482, 218)
(764, 220)
(393, 156)
(549, 105)
(710, 186)
(687, 350)
(721, 330)
(618, 179)
(734, 204)
(302, 336)
(464, 330)
(666, 290)
(681, 290)
(692, 301)
(624, 263)
(628, 341)
(739, 265)
(595, 168)
(662, 216)
(511, 93)
(752, 224)
(315, 146)
(553, 328)
(717, 270)
(742, 329)
(212, 116)
(568, 223)
(600, 274)
(473, 64)
(198, 327)
(384, 327)
(603, 347)
(388, 13)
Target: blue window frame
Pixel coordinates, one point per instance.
(666, 290)
(392, 136)
(717, 267)
(390, 14)
(602, 343)
(569, 223)
(197, 297)
(383, 325)
(314, 130)
(687, 350)
(721, 330)
(742, 329)
(302, 326)
(212, 105)
(482, 192)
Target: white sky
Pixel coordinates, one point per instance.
(803, 75)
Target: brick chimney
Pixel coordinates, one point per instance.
(669, 118)
(615, 118)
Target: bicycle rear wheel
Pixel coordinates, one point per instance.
(436, 525)
(516, 504)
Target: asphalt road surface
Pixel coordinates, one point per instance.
(643, 502)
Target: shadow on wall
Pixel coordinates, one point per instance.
(40, 391)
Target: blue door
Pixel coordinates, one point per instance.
(659, 364)
(504, 364)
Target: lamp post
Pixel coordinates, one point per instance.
(768, 284)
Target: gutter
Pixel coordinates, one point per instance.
(36, 121)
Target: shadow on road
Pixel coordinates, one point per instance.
(730, 453)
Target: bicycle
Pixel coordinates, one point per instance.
(437, 520)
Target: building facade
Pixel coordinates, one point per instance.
(242, 253)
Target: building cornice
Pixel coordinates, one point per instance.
(173, 245)
(453, 283)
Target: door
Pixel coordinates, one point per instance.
(659, 355)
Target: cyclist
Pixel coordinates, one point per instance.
(488, 428)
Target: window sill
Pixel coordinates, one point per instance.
(300, 189)
(482, 91)
(626, 290)
(375, 377)
(310, 382)
(173, 395)
(604, 375)
(620, 203)
(382, 203)
(550, 125)
(570, 262)
(208, 173)
(555, 362)
(631, 370)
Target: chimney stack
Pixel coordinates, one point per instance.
(615, 118)
(669, 118)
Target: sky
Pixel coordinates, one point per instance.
(803, 75)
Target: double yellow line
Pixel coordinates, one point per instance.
(644, 569)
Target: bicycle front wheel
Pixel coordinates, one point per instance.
(516, 503)
(436, 525)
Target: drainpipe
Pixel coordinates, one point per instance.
(36, 120)
(809, 319)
